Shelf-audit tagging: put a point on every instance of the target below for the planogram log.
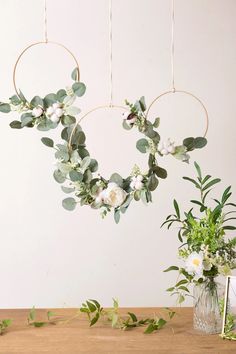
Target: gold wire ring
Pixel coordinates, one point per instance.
(187, 93)
(37, 43)
(86, 114)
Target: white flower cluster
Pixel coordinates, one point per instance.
(54, 112)
(137, 182)
(167, 147)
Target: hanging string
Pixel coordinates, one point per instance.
(45, 22)
(111, 49)
(173, 45)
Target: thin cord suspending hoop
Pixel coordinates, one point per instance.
(39, 43)
(189, 94)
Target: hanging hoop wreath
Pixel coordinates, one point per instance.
(78, 172)
(45, 113)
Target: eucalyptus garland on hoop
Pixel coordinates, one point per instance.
(78, 172)
(46, 113)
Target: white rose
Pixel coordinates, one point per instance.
(114, 195)
(37, 112)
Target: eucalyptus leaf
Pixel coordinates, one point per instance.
(75, 176)
(116, 178)
(200, 142)
(47, 141)
(79, 88)
(61, 95)
(68, 120)
(142, 145)
(75, 74)
(15, 124)
(152, 182)
(37, 101)
(59, 176)
(5, 108)
(69, 203)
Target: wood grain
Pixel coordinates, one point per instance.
(76, 337)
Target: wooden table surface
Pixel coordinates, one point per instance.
(74, 337)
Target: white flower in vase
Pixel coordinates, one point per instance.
(37, 112)
(167, 147)
(114, 195)
(137, 182)
(194, 264)
(55, 112)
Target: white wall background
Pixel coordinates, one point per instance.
(52, 258)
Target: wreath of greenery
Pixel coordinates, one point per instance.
(46, 113)
(77, 171)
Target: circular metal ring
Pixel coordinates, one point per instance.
(89, 112)
(38, 43)
(189, 94)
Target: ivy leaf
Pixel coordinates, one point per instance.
(79, 88)
(69, 204)
(48, 142)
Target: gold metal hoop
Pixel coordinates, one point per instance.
(187, 93)
(37, 43)
(89, 112)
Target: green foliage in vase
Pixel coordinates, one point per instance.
(205, 249)
(4, 324)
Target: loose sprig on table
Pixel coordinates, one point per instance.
(4, 324)
(95, 312)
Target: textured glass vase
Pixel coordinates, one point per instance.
(207, 296)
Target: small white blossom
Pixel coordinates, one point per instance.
(114, 195)
(37, 112)
(55, 112)
(137, 182)
(167, 147)
(194, 264)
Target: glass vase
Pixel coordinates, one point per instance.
(207, 302)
